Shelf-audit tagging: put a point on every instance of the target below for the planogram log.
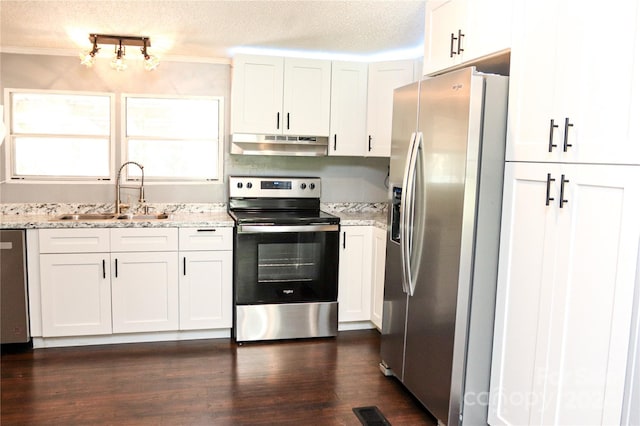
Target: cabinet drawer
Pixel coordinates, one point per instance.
(206, 238)
(144, 239)
(86, 240)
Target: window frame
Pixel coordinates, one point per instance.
(124, 139)
(9, 141)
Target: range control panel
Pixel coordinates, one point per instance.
(274, 187)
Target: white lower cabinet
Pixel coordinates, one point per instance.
(144, 291)
(354, 274)
(361, 274)
(144, 285)
(567, 272)
(206, 274)
(379, 240)
(134, 280)
(76, 294)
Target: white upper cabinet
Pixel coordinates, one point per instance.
(280, 96)
(575, 83)
(307, 97)
(444, 37)
(256, 94)
(384, 77)
(458, 31)
(348, 129)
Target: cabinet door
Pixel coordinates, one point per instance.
(599, 82)
(445, 20)
(354, 274)
(205, 289)
(256, 94)
(384, 78)
(534, 66)
(594, 106)
(489, 27)
(75, 294)
(525, 277)
(597, 233)
(348, 133)
(379, 241)
(144, 291)
(565, 293)
(307, 97)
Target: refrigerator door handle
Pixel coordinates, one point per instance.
(414, 225)
(403, 215)
(406, 213)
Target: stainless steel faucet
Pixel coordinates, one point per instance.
(141, 199)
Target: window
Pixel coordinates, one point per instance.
(56, 135)
(174, 138)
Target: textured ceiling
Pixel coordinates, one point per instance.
(212, 28)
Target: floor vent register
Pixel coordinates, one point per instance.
(371, 416)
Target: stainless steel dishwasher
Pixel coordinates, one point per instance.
(14, 312)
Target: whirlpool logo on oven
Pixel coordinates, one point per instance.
(287, 291)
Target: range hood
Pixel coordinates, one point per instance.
(250, 144)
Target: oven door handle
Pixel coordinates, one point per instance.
(246, 229)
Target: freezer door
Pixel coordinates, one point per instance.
(404, 124)
(440, 181)
(405, 117)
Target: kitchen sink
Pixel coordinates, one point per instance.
(85, 216)
(107, 216)
(153, 216)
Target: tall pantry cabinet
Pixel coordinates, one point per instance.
(570, 238)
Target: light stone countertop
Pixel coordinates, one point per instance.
(175, 220)
(40, 216)
(364, 218)
(359, 214)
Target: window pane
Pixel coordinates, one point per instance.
(60, 114)
(172, 118)
(174, 158)
(78, 157)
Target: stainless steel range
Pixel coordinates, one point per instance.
(285, 261)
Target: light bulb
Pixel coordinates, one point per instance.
(118, 64)
(87, 59)
(151, 63)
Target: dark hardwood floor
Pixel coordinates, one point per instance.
(206, 382)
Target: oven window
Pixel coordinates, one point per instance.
(279, 262)
(285, 267)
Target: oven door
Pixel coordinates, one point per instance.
(285, 264)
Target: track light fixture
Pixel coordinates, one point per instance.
(118, 62)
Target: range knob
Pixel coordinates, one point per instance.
(312, 186)
(303, 186)
(249, 185)
(239, 185)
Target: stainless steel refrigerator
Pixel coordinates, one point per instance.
(446, 175)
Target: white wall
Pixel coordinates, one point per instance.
(344, 179)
